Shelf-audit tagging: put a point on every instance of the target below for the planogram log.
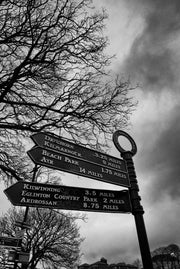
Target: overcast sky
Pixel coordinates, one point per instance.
(145, 36)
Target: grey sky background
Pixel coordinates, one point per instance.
(145, 36)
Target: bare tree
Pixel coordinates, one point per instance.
(53, 239)
(54, 77)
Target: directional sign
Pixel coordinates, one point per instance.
(63, 146)
(77, 166)
(9, 241)
(20, 257)
(69, 198)
(23, 257)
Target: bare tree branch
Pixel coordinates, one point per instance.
(54, 77)
(53, 239)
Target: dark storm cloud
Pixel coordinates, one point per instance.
(154, 62)
(153, 57)
(163, 160)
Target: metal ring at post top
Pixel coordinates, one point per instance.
(116, 135)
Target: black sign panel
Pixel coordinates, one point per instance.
(9, 241)
(69, 198)
(76, 166)
(63, 146)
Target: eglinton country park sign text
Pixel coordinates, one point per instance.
(57, 153)
(32, 194)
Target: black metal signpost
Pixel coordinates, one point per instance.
(68, 198)
(57, 153)
(137, 209)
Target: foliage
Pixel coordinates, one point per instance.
(53, 239)
(54, 77)
(137, 263)
(168, 256)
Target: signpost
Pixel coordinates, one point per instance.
(75, 165)
(20, 257)
(57, 153)
(9, 241)
(69, 198)
(62, 146)
(137, 209)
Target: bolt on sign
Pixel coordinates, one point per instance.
(69, 198)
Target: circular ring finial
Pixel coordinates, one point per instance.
(116, 135)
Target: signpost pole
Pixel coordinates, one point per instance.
(24, 266)
(137, 209)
